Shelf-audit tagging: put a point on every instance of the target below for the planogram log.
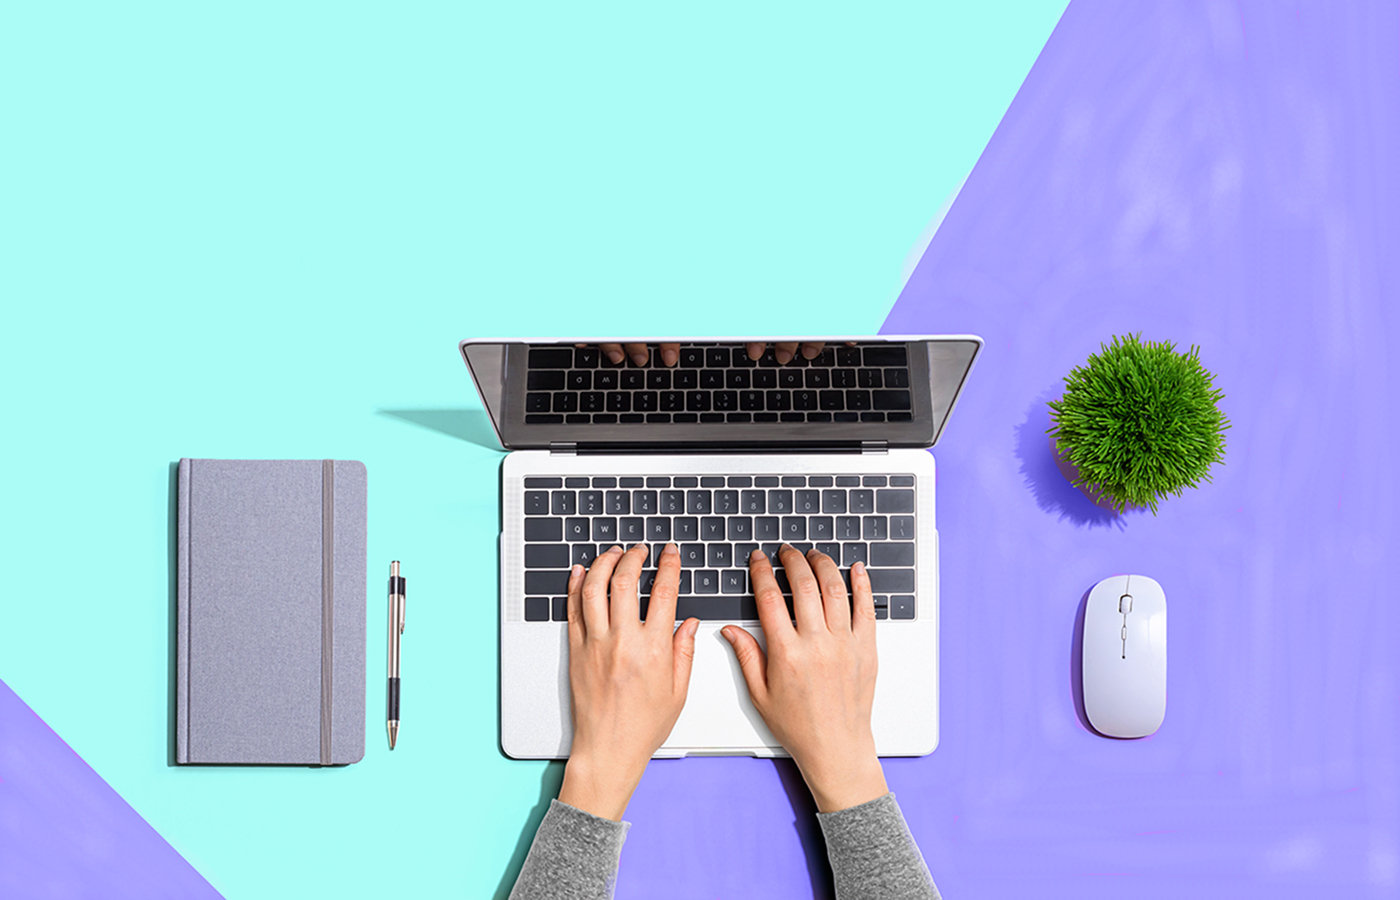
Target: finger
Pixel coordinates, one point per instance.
(683, 654)
(755, 350)
(772, 609)
(661, 611)
(595, 592)
(812, 351)
(753, 662)
(612, 352)
(806, 594)
(638, 353)
(863, 614)
(834, 602)
(574, 606)
(624, 587)
(670, 354)
(785, 352)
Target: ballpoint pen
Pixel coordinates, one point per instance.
(397, 603)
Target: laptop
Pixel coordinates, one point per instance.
(719, 454)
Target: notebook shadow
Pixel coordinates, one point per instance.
(1041, 472)
(809, 832)
(550, 781)
(470, 425)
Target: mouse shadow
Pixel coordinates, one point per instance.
(1042, 472)
(551, 780)
(470, 425)
(1076, 671)
(809, 831)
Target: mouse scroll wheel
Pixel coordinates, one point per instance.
(1125, 604)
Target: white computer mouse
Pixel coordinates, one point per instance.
(1125, 656)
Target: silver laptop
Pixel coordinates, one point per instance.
(719, 454)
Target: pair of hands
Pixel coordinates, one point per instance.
(815, 686)
(671, 353)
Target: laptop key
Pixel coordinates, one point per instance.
(854, 553)
(547, 556)
(766, 528)
(585, 357)
(712, 528)
(831, 549)
(833, 501)
(590, 503)
(581, 554)
(843, 378)
(857, 400)
(832, 400)
(543, 419)
(546, 582)
(698, 503)
(894, 501)
(631, 530)
(891, 399)
(765, 378)
(848, 356)
(536, 609)
(875, 528)
(711, 379)
(576, 530)
(726, 502)
(672, 502)
(901, 606)
(733, 581)
(820, 528)
(719, 556)
(808, 501)
(706, 581)
(891, 554)
(896, 378)
(617, 503)
(551, 357)
(605, 380)
(891, 580)
(848, 528)
(891, 355)
(578, 381)
(544, 529)
(862, 501)
(544, 381)
(605, 530)
(644, 502)
(658, 529)
(780, 501)
(537, 503)
(902, 528)
(740, 528)
(848, 481)
(659, 379)
(537, 402)
(794, 528)
(692, 555)
(645, 579)
(752, 502)
(563, 503)
(559, 608)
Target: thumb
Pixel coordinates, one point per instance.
(683, 651)
(753, 662)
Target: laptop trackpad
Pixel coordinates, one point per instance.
(719, 718)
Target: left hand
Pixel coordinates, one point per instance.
(629, 678)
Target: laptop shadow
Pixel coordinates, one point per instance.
(470, 425)
(551, 780)
(809, 831)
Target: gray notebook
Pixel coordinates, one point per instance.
(270, 664)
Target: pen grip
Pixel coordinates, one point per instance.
(393, 700)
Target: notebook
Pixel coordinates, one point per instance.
(721, 454)
(271, 593)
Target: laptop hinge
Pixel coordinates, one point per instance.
(874, 447)
(563, 448)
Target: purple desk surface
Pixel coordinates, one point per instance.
(1220, 174)
(64, 833)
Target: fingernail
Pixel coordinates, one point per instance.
(669, 357)
(783, 356)
(615, 548)
(757, 553)
(691, 627)
(859, 567)
(639, 359)
(576, 570)
(810, 352)
(615, 356)
(669, 550)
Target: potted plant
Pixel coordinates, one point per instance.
(1137, 422)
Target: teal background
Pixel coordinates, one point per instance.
(259, 231)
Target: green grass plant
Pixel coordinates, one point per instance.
(1139, 422)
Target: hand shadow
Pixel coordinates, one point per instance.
(809, 831)
(1053, 492)
(550, 782)
(470, 425)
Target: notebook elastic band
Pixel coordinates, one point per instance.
(327, 602)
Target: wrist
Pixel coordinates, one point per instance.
(847, 785)
(601, 790)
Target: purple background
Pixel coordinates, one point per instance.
(65, 833)
(1214, 174)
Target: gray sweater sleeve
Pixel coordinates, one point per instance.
(873, 855)
(574, 857)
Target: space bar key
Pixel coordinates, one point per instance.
(708, 609)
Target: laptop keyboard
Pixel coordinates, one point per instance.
(579, 386)
(717, 522)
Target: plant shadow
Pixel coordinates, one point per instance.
(1041, 472)
(809, 831)
(550, 782)
(470, 425)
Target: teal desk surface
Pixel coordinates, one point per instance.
(259, 232)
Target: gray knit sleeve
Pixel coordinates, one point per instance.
(873, 855)
(574, 857)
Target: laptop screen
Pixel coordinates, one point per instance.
(721, 393)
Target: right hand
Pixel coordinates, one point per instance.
(815, 687)
(640, 354)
